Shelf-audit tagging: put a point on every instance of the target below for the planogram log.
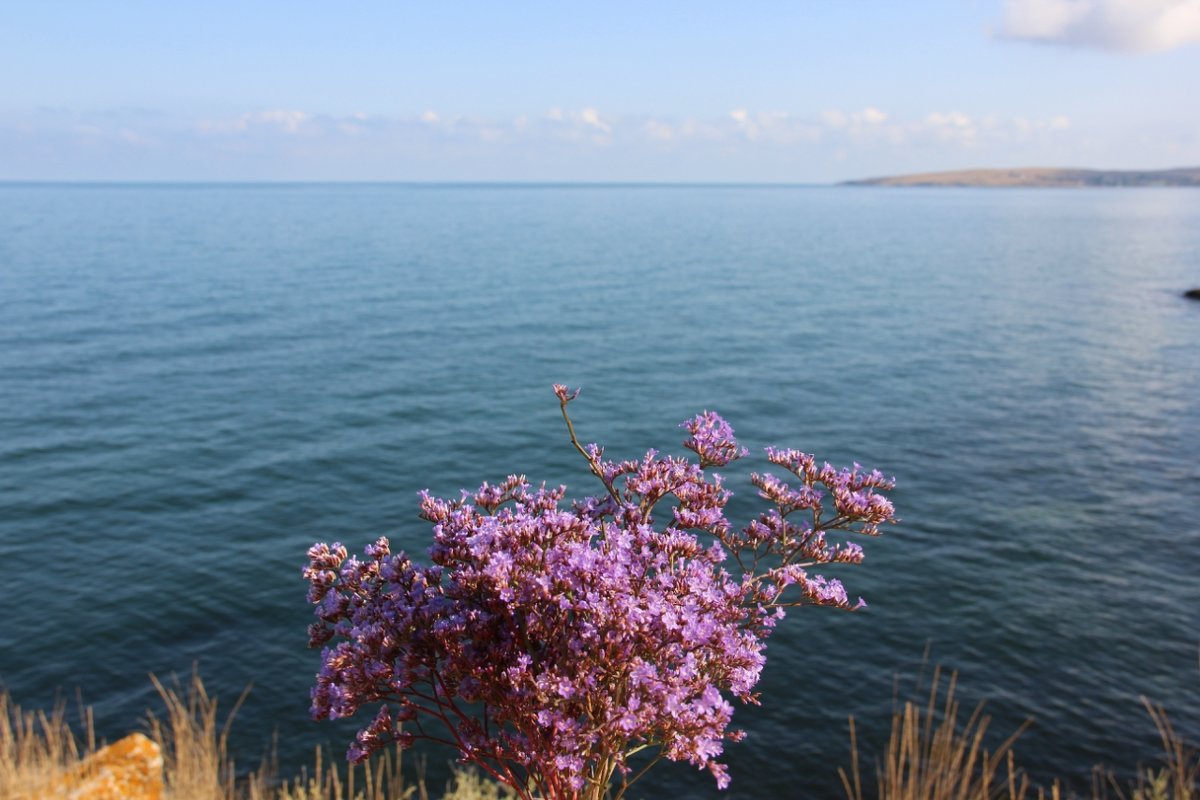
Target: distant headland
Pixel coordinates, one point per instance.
(1040, 177)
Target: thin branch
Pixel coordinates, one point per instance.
(626, 784)
(591, 462)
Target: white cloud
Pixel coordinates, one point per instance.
(868, 127)
(289, 121)
(1125, 25)
(875, 129)
(775, 127)
(584, 125)
(872, 116)
(591, 118)
(660, 131)
(855, 121)
(950, 120)
(566, 143)
(952, 126)
(834, 118)
(132, 137)
(869, 124)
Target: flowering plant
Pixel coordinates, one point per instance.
(551, 642)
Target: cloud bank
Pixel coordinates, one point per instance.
(582, 143)
(1134, 26)
(587, 128)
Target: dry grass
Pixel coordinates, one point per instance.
(194, 742)
(197, 765)
(934, 753)
(38, 748)
(932, 756)
(379, 779)
(1177, 779)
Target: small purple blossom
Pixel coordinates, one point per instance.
(550, 641)
(712, 440)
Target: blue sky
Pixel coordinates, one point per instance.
(676, 91)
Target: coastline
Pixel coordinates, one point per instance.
(1040, 177)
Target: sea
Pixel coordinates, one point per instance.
(198, 381)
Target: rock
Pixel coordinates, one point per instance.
(1192, 294)
(130, 769)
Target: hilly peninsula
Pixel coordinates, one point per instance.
(1040, 177)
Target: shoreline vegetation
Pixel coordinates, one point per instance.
(1040, 177)
(935, 751)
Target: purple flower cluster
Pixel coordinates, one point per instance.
(552, 642)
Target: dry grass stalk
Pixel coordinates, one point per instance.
(198, 766)
(1177, 779)
(468, 784)
(930, 756)
(196, 762)
(37, 748)
(382, 779)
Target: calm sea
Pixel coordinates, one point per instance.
(197, 382)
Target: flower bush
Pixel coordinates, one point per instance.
(552, 641)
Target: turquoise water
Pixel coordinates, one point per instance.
(197, 382)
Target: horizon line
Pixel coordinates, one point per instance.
(420, 183)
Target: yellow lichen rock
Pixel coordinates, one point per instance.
(130, 769)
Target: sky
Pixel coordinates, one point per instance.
(808, 91)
